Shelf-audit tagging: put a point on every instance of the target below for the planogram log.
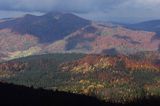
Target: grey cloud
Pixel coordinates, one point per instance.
(61, 5)
(115, 10)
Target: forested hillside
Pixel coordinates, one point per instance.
(117, 79)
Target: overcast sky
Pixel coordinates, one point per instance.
(101, 10)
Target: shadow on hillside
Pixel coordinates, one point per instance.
(13, 95)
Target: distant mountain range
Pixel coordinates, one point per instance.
(65, 32)
(153, 26)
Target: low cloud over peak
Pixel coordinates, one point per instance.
(104, 10)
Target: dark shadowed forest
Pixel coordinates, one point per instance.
(13, 95)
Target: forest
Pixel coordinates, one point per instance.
(115, 79)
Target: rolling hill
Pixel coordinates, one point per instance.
(115, 79)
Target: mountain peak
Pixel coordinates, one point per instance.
(58, 15)
(49, 27)
(29, 16)
(53, 13)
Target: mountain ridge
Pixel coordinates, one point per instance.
(151, 25)
(57, 32)
(47, 25)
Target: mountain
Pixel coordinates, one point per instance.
(64, 52)
(48, 28)
(58, 32)
(97, 38)
(29, 34)
(152, 26)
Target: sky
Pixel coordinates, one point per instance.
(100, 10)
